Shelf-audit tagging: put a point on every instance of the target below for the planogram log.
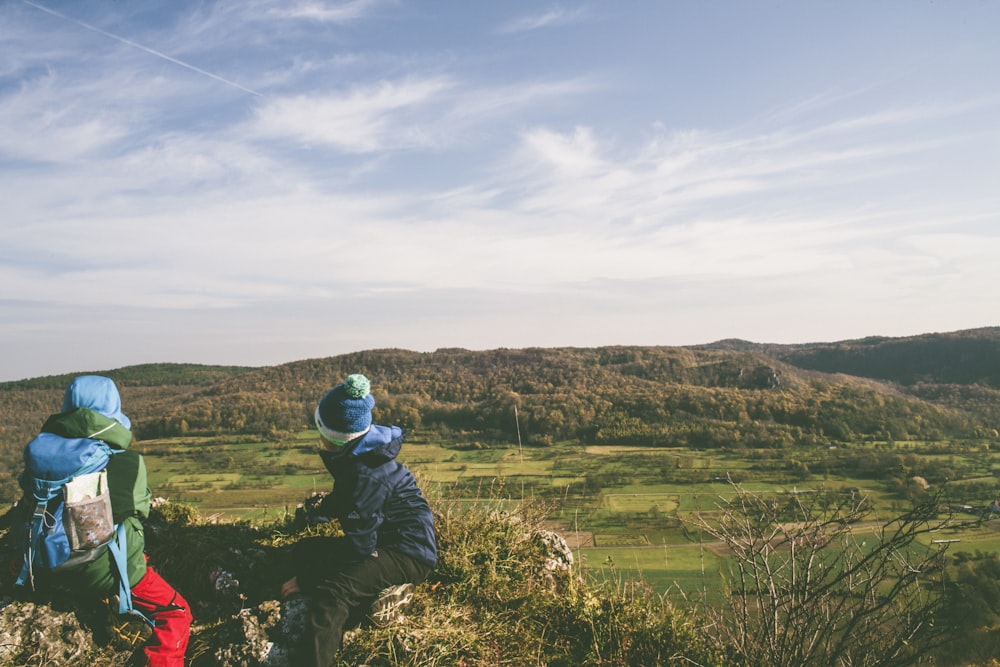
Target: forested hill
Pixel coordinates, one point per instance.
(730, 393)
(142, 375)
(959, 369)
(961, 357)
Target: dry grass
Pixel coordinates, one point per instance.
(491, 601)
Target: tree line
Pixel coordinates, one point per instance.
(655, 396)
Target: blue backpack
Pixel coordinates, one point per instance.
(67, 532)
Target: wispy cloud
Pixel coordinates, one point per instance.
(39, 124)
(686, 174)
(325, 12)
(684, 206)
(556, 16)
(136, 45)
(359, 120)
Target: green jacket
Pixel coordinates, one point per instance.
(129, 491)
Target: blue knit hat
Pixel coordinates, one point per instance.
(97, 393)
(345, 412)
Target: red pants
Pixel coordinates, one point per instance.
(171, 617)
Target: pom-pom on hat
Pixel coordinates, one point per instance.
(345, 412)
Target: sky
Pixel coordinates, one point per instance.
(253, 182)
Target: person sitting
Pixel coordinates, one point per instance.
(92, 414)
(389, 540)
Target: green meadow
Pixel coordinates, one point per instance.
(627, 512)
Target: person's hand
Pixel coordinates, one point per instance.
(290, 587)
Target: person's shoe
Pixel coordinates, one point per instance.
(386, 609)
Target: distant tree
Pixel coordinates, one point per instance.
(972, 609)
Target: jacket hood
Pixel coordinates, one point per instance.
(96, 393)
(381, 441)
(378, 445)
(86, 423)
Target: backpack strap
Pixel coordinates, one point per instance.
(119, 552)
(38, 523)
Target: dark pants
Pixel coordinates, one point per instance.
(338, 586)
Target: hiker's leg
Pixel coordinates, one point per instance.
(385, 609)
(314, 557)
(323, 633)
(336, 593)
(158, 600)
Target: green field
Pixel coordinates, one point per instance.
(626, 511)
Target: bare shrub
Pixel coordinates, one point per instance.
(810, 583)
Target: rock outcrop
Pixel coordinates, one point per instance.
(231, 575)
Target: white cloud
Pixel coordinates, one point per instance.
(362, 119)
(133, 44)
(567, 209)
(474, 105)
(688, 175)
(556, 16)
(39, 123)
(575, 154)
(326, 12)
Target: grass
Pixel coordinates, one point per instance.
(676, 571)
(640, 502)
(494, 598)
(653, 490)
(484, 603)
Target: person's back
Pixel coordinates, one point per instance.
(126, 476)
(91, 414)
(376, 498)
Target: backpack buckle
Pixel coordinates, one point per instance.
(42, 515)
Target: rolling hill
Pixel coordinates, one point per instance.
(726, 394)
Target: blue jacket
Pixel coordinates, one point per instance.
(376, 498)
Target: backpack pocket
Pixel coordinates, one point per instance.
(87, 516)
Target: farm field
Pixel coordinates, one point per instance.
(627, 512)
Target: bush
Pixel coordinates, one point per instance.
(815, 584)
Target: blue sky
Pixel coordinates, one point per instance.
(254, 182)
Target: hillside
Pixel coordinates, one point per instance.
(958, 358)
(958, 369)
(724, 395)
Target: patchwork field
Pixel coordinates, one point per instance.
(626, 511)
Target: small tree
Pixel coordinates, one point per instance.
(821, 585)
